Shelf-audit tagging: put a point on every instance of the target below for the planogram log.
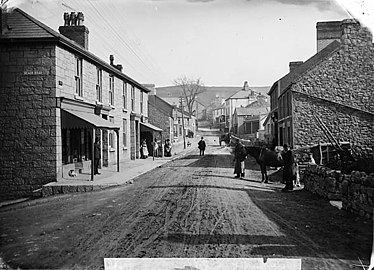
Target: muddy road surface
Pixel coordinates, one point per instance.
(190, 207)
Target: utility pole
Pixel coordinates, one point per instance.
(183, 133)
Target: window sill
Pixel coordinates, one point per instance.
(124, 148)
(112, 106)
(78, 97)
(124, 110)
(112, 149)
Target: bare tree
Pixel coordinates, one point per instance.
(190, 89)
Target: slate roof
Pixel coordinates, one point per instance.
(22, 27)
(259, 103)
(244, 94)
(293, 76)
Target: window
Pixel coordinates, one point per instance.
(141, 101)
(255, 127)
(124, 132)
(99, 84)
(78, 77)
(124, 95)
(132, 98)
(111, 90)
(111, 134)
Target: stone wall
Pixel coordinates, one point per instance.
(358, 193)
(339, 90)
(323, 181)
(356, 190)
(28, 119)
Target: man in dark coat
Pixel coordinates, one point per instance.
(288, 167)
(240, 155)
(97, 156)
(201, 146)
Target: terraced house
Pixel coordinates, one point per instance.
(56, 98)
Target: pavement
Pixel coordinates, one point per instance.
(109, 176)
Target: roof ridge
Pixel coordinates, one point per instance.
(61, 39)
(307, 65)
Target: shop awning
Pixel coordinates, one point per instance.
(79, 119)
(150, 127)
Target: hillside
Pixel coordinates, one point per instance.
(213, 93)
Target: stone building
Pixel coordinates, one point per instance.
(248, 121)
(57, 97)
(242, 98)
(335, 85)
(162, 115)
(186, 121)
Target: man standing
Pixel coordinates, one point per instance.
(240, 155)
(288, 168)
(97, 156)
(201, 146)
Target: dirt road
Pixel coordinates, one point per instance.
(191, 207)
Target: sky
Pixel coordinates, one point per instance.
(222, 42)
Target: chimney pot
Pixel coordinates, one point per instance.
(111, 59)
(119, 67)
(66, 19)
(80, 18)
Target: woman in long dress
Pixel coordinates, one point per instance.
(144, 149)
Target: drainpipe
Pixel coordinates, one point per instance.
(117, 132)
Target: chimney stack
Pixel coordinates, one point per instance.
(294, 65)
(2, 20)
(245, 86)
(111, 60)
(327, 32)
(74, 29)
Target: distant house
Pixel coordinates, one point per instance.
(208, 100)
(219, 117)
(335, 85)
(57, 98)
(242, 98)
(186, 121)
(248, 121)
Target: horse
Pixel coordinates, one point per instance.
(265, 157)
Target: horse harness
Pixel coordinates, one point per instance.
(260, 154)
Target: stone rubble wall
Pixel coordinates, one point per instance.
(355, 190)
(358, 193)
(339, 90)
(28, 119)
